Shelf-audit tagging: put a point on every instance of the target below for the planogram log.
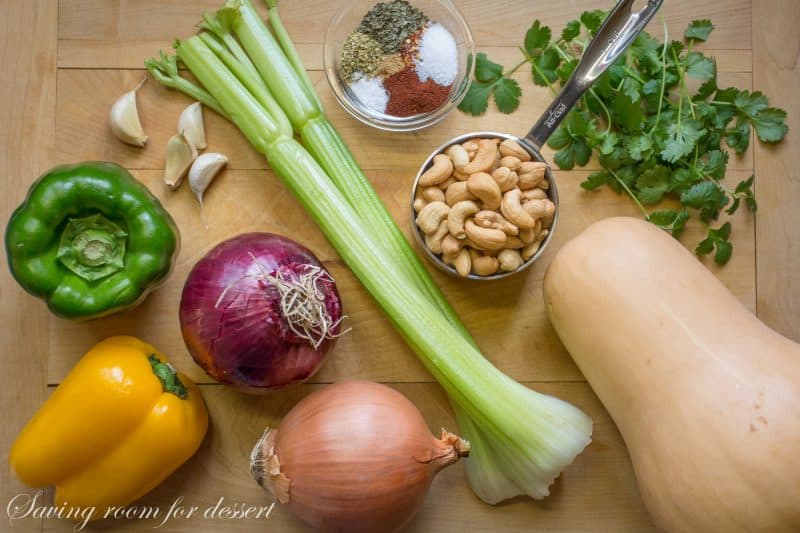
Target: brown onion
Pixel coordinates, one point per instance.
(355, 456)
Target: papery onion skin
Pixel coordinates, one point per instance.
(355, 456)
(243, 339)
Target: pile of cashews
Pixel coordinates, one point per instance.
(483, 206)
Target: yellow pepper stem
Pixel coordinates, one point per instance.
(166, 373)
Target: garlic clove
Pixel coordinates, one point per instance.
(124, 119)
(203, 171)
(180, 154)
(191, 124)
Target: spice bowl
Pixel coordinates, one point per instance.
(395, 96)
(526, 252)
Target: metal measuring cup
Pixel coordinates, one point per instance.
(617, 32)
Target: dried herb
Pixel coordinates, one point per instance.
(360, 53)
(391, 23)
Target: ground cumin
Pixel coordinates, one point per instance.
(409, 96)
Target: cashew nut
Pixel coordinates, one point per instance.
(493, 219)
(545, 184)
(458, 155)
(485, 265)
(458, 214)
(431, 216)
(533, 194)
(434, 241)
(441, 169)
(528, 235)
(419, 203)
(541, 209)
(451, 246)
(512, 147)
(446, 183)
(463, 263)
(460, 176)
(513, 242)
(484, 158)
(509, 260)
(457, 192)
(486, 238)
(510, 161)
(486, 189)
(505, 178)
(511, 208)
(531, 249)
(433, 194)
(471, 145)
(531, 174)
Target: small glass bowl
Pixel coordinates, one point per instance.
(348, 18)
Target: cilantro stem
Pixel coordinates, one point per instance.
(663, 73)
(630, 72)
(536, 68)
(561, 52)
(605, 109)
(717, 102)
(513, 70)
(629, 191)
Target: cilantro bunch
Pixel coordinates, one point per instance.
(655, 136)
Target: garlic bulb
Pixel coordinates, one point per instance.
(180, 154)
(204, 169)
(191, 124)
(124, 119)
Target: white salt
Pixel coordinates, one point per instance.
(371, 93)
(438, 56)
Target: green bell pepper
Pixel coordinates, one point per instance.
(90, 240)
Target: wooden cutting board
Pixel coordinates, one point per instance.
(64, 62)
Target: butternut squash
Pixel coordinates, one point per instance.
(706, 397)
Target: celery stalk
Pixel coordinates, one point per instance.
(289, 49)
(522, 439)
(306, 115)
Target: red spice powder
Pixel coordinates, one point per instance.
(409, 96)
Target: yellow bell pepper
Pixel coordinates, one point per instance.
(121, 422)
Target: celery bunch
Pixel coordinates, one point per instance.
(521, 440)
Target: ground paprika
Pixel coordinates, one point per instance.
(409, 96)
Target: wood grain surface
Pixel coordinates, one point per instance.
(64, 62)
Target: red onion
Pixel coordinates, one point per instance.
(259, 311)
(355, 456)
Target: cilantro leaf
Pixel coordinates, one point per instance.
(770, 124)
(750, 103)
(679, 139)
(571, 30)
(652, 185)
(576, 152)
(700, 67)
(596, 180)
(592, 20)
(545, 66)
(537, 38)
(670, 220)
(706, 196)
(718, 239)
(738, 137)
(626, 113)
(698, 30)
(639, 146)
(506, 95)
(485, 70)
(476, 101)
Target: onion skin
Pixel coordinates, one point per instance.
(355, 456)
(245, 340)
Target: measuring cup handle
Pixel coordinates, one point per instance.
(612, 39)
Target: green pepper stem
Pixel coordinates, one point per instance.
(92, 247)
(168, 376)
